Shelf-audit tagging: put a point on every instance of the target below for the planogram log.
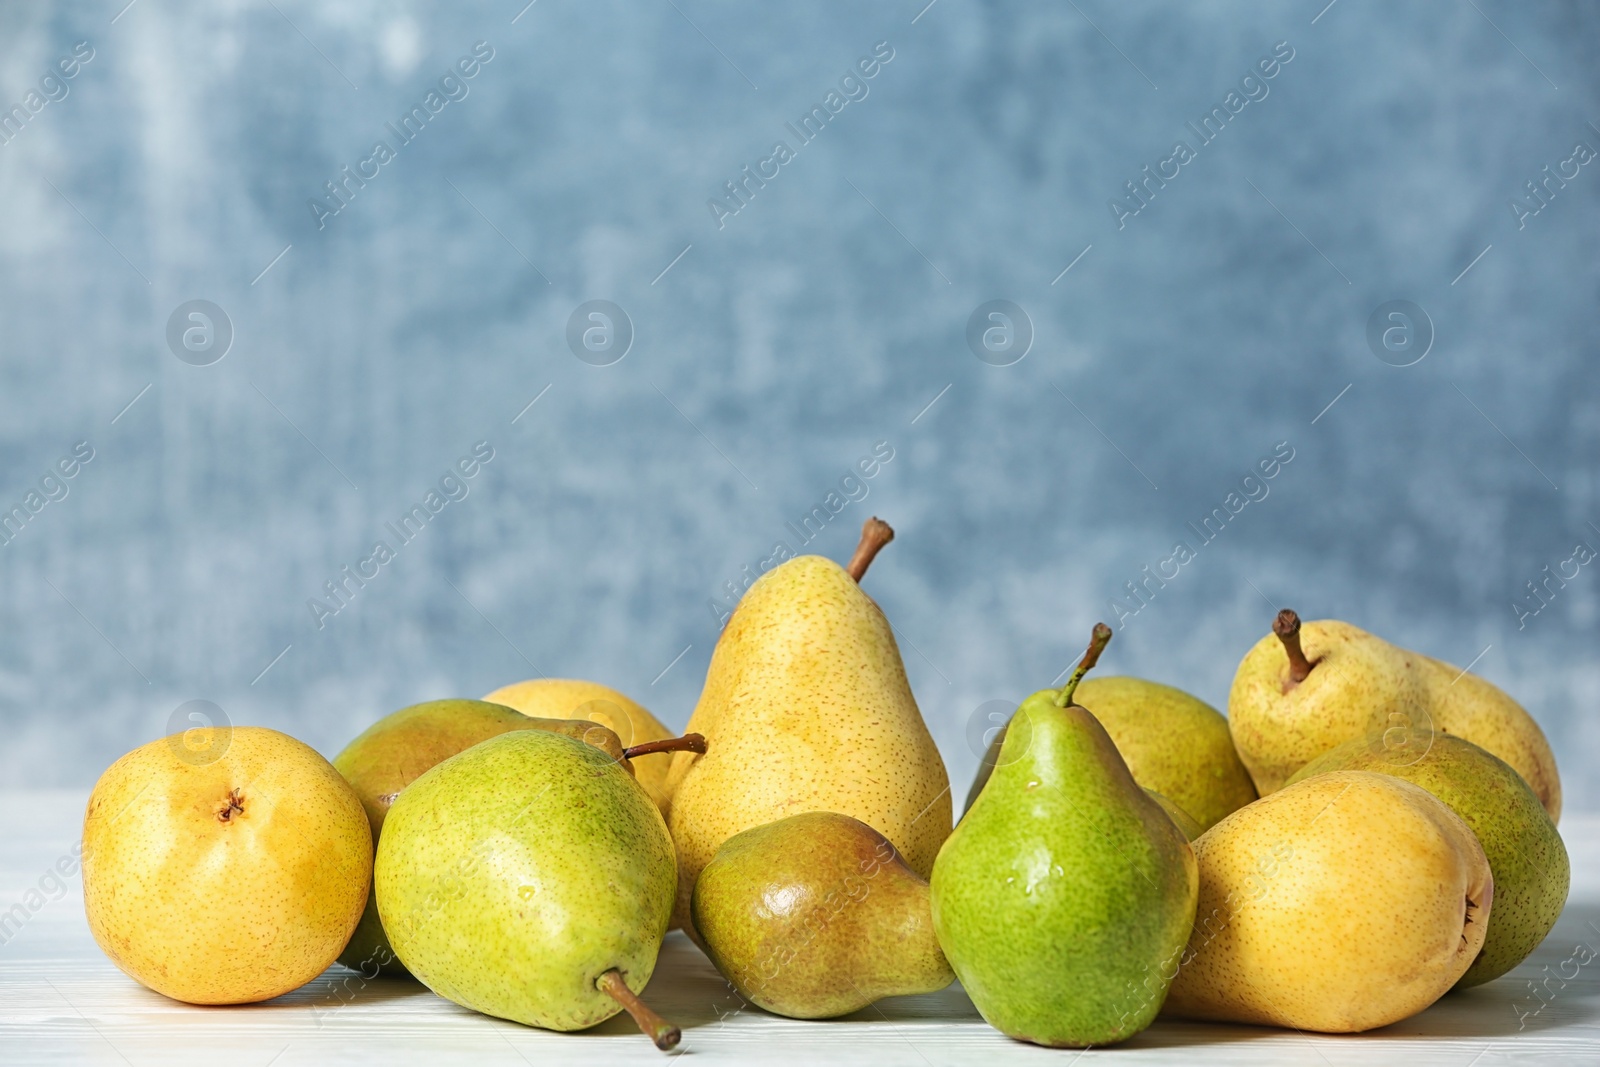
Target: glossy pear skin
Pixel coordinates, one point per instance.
(1180, 818)
(391, 753)
(512, 876)
(1525, 852)
(817, 915)
(1358, 683)
(1066, 893)
(1348, 901)
(806, 708)
(1175, 744)
(572, 698)
(228, 881)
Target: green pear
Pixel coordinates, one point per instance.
(806, 708)
(1344, 902)
(391, 753)
(1304, 689)
(817, 915)
(1175, 744)
(1065, 895)
(530, 878)
(1525, 852)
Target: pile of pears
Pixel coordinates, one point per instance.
(1125, 851)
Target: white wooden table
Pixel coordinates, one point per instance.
(62, 1002)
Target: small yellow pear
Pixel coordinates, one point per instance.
(1346, 901)
(806, 708)
(224, 865)
(1307, 688)
(571, 698)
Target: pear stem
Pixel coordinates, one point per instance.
(657, 1029)
(686, 743)
(875, 533)
(1091, 656)
(1287, 627)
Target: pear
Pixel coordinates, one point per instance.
(569, 698)
(1065, 895)
(391, 753)
(224, 865)
(817, 915)
(530, 878)
(1175, 744)
(1526, 855)
(1344, 902)
(806, 708)
(1479, 711)
(1180, 818)
(1305, 689)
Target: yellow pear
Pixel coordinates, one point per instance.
(224, 865)
(1305, 689)
(806, 708)
(1344, 902)
(1475, 709)
(1175, 744)
(571, 698)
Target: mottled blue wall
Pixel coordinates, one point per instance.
(977, 162)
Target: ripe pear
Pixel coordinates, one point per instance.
(569, 698)
(1479, 711)
(817, 915)
(531, 878)
(1344, 902)
(1180, 818)
(225, 865)
(1303, 689)
(1306, 688)
(391, 753)
(1526, 855)
(1064, 896)
(806, 708)
(1175, 745)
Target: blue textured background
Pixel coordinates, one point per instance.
(822, 318)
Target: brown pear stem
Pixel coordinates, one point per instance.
(657, 1029)
(686, 743)
(875, 533)
(1287, 627)
(1097, 644)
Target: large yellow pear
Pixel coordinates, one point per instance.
(224, 865)
(806, 708)
(571, 698)
(1346, 901)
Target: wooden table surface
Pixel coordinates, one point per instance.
(62, 1002)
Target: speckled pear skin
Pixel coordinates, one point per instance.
(571, 698)
(512, 876)
(1479, 711)
(233, 910)
(806, 708)
(1065, 895)
(816, 916)
(1175, 744)
(1525, 852)
(391, 753)
(1358, 683)
(1341, 903)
